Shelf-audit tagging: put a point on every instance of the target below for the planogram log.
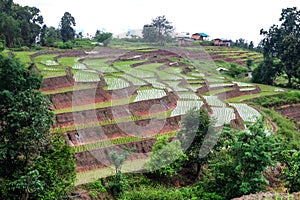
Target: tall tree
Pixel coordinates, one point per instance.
(66, 30)
(163, 28)
(9, 28)
(30, 23)
(25, 139)
(281, 44)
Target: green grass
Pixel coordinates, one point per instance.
(67, 61)
(51, 74)
(24, 56)
(94, 106)
(69, 89)
(248, 97)
(215, 92)
(45, 57)
(161, 115)
(117, 141)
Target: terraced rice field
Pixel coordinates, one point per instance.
(103, 101)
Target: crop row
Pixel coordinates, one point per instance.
(115, 83)
(86, 76)
(223, 115)
(149, 94)
(184, 106)
(214, 101)
(247, 113)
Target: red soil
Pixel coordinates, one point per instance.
(100, 158)
(290, 111)
(89, 96)
(140, 128)
(59, 82)
(141, 108)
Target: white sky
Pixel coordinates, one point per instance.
(231, 19)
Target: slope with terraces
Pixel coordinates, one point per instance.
(111, 97)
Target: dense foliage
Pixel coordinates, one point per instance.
(158, 31)
(19, 25)
(33, 163)
(66, 27)
(167, 157)
(239, 162)
(103, 37)
(197, 137)
(281, 50)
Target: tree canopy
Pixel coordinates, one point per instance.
(66, 30)
(158, 31)
(103, 37)
(19, 25)
(33, 162)
(196, 127)
(281, 49)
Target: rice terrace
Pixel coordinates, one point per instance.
(147, 114)
(111, 88)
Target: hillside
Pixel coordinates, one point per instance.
(111, 97)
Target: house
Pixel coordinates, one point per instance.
(222, 42)
(199, 36)
(182, 38)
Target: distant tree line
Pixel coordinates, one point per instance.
(24, 26)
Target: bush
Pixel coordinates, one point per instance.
(160, 192)
(64, 45)
(237, 71)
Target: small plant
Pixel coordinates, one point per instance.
(94, 194)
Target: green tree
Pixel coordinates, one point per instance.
(25, 139)
(251, 46)
(290, 159)
(167, 157)
(50, 37)
(20, 25)
(281, 44)
(9, 28)
(163, 28)
(196, 133)
(103, 37)
(149, 33)
(66, 31)
(30, 22)
(239, 161)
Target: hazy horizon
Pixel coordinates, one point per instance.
(231, 19)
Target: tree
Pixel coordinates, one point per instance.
(30, 22)
(239, 160)
(291, 170)
(20, 25)
(166, 158)
(25, 139)
(251, 46)
(9, 28)
(266, 72)
(66, 30)
(149, 33)
(163, 28)
(196, 126)
(281, 44)
(50, 37)
(103, 37)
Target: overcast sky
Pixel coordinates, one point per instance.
(231, 19)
